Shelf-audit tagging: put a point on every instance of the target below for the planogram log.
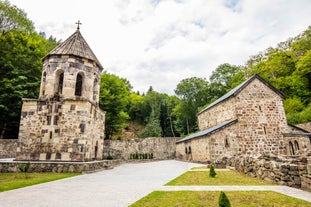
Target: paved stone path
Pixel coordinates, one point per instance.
(118, 187)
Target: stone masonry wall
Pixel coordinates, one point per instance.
(68, 130)
(293, 171)
(218, 114)
(261, 119)
(8, 148)
(70, 66)
(148, 148)
(208, 148)
(60, 167)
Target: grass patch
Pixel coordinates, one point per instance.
(201, 168)
(210, 198)
(228, 177)
(10, 181)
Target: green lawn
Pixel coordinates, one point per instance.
(210, 198)
(10, 181)
(228, 177)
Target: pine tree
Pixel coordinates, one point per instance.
(212, 172)
(223, 200)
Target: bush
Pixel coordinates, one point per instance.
(212, 172)
(223, 200)
(23, 168)
(109, 157)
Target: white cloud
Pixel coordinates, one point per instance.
(159, 43)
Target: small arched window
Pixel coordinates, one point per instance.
(60, 81)
(186, 150)
(48, 156)
(44, 77)
(79, 83)
(291, 148)
(58, 156)
(189, 150)
(296, 145)
(95, 89)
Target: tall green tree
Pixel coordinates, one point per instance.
(114, 99)
(224, 78)
(20, 73)
(13, 19)
(153, 128)
(288, 68)
(194, 93)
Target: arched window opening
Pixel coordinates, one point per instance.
(189, 150)
(296, 145)
(60, 83)
(44, 77)
(186, 150)
(48, 156)
(58, 156)
(43, 83)
(95, 89)
(79, 83)
(291, 148)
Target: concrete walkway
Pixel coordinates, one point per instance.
(118, 187)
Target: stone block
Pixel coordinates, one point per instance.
(309, 169)
(42, 156)
(293, 167)
(66, 156)
(297, 180)
(267, 165)
(293, 173)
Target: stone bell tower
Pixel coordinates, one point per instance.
(65, 123)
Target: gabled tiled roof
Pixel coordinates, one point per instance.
(298, 128)
(240, 87)
(208, 131)
(75, 45)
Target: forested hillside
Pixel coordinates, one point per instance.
(287, 67)
(20, 65)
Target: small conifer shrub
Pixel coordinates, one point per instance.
(223, 200)
(212, 172)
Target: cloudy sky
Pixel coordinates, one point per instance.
(159, 43)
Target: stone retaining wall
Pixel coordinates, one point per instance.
(8, 148)
(60, 167)
(136, 149)
(293, 171)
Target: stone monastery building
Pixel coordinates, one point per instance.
(65, 123)
(248, 120)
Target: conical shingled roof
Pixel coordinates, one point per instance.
(75, 45)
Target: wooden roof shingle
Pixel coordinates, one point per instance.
(77, 46)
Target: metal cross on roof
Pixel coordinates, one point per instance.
(78, 23)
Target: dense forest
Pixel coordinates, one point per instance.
(287, 67)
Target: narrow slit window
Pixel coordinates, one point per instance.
(79, 82)
(95, 89)
(60, 83)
